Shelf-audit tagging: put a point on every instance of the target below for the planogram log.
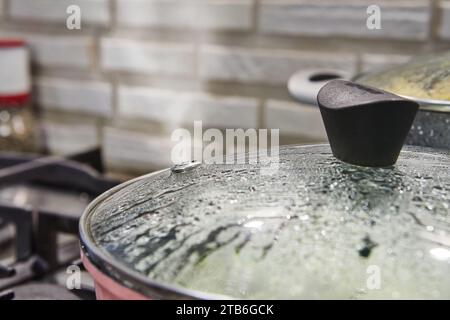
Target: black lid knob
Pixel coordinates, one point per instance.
(365, 126)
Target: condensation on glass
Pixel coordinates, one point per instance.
(317, 228)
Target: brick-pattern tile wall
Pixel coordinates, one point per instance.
(445, 26)
(231, 15)
(137, 69)
(401, 19)
(54, 11)
(265, 66)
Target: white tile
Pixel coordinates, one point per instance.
(146, 57)
(92, 11)
(373, 61)
(399, 19)
(70, 137)
(135, 151)
(58, 51)
(90, 97)
(444, 30)
(294, 119)
(174, 107)
(267, 66)
(202, 14)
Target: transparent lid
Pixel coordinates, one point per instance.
(427, 77)
(317, 228)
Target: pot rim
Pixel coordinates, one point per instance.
(119, 272)
(430, 104)
(142, 284)
(425, 104)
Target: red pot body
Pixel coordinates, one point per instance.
(107, 288)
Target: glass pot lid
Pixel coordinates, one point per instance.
(317, 228)
(425, 79)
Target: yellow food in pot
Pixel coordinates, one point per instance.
(441, 91)
(427, 77)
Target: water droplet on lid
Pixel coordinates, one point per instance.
(436, 294)
(361, 291)
(255, 212)
(441, 254)
(257, 224)
(185, 166)
(142, 241)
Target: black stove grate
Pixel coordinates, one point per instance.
(43, 198)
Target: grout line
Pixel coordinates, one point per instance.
(435, 23)
(255, 18)
(113, 14)
(262, 113)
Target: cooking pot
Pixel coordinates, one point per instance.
(425, 80)
(331, 222)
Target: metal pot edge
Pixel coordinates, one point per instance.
(118, 272)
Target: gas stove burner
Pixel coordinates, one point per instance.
(39, 291)
(41, 201)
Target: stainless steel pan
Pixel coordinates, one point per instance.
(425, 80)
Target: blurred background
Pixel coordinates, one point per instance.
(138, 69)
(109, 92)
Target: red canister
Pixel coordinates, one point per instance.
(17, 125)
